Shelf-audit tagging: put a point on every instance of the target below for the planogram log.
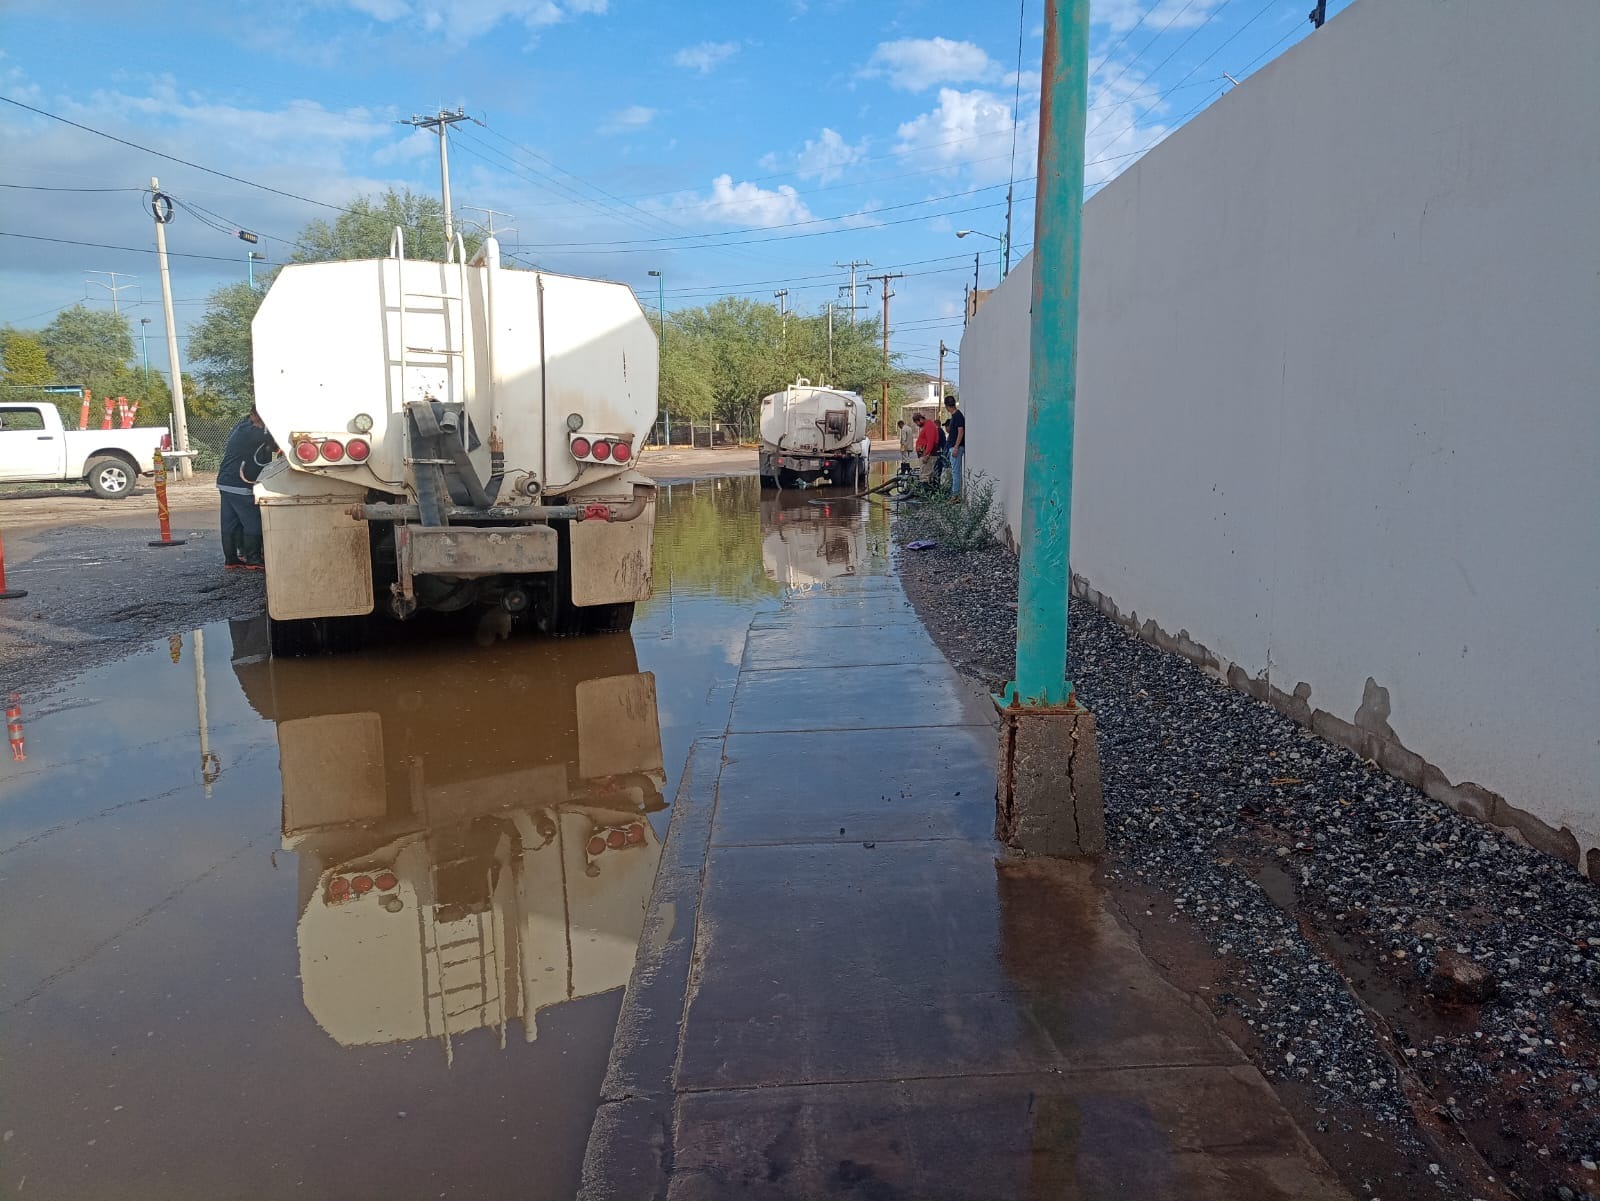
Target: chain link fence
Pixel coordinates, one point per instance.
(702, 433)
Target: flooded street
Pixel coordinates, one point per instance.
(360, 926)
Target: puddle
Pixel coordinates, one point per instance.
(360, 926)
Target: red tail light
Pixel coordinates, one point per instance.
(386, 882)
(333, 450)
(622, 452)
(601, 451)
(362, 884)
(596, 845)
(305, 450)
(616, 839)
(339, 887)
(635, 835)
(580, 448)
(357, 449)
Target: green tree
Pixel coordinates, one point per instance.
(26, 360)
(364, 230)
(722, 358)
(88, 347)
(219, 346)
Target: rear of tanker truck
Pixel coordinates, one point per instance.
(456, 437)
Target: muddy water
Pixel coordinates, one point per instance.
(359, 927)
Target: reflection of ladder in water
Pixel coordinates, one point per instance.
(461, 975)
(446, 324)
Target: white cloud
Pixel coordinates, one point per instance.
(965, 126)
(462, 21)
(705, 57)
(1122, 15)
(917, 64)
(825, 157)
(749, 204)
(635, 116)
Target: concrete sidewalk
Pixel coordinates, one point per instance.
(846, 989)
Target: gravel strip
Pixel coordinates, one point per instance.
(1305, 868)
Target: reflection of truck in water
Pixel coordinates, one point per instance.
(813, 432)
(806, 541)
(456, 437)
(473, 834)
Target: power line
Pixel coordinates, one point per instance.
(176, 254)
(39, 187)
(172, 158)
(1210, 17)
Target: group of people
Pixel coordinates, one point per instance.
(934, 444)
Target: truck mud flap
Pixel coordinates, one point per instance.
(468, 552)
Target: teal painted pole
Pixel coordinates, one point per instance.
(1042, 673)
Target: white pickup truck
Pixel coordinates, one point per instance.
(35, 447)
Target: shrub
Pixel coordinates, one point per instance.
(968, 522)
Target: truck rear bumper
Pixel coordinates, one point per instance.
(468, 552)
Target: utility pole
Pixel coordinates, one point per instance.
(1319, 14)
(440, 124)
(1048, 798)
(942, 353)
(830, 341)
(488, 219)
(1005, 269)
(851, 266)
(113, 287)
(661, 347)
(883, 409)
(782, 295)
(161, 209)
(144, 347)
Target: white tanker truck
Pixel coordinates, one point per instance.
(455, 436)
(811, 432)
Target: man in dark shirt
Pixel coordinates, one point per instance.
(250, 448)
(955, 431)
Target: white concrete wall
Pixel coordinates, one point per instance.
(1339, 393)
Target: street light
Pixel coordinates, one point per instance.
(978, 259)
(661, 323)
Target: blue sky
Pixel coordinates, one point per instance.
(737, 148)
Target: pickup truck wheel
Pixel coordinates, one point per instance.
(110, 478)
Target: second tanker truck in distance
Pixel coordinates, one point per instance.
(809, 433)
(456, 437)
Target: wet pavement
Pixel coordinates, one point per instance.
(355, 926)
(361, 926)
(845, 989)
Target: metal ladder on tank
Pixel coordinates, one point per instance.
(455, 359)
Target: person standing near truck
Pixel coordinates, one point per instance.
(249, 449)
(908, 443)
(927, 447)
(955, 432)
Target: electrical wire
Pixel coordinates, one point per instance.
(176, 254)
(39, 187)
(174, 158)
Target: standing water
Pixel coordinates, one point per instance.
(360, 926)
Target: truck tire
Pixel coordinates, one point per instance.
(769, 481)
(110, 477)
(607, 619)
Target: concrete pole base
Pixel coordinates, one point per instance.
(1048, 799)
